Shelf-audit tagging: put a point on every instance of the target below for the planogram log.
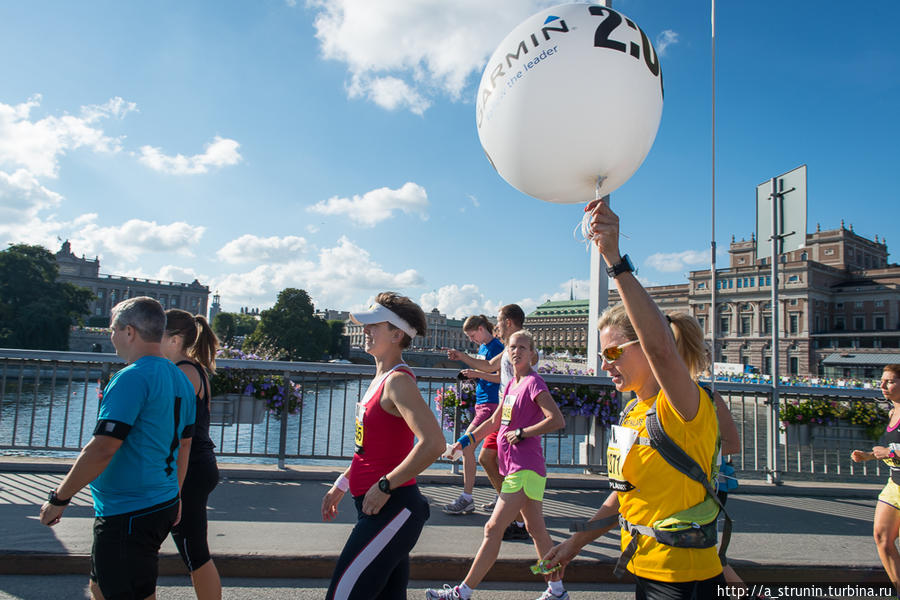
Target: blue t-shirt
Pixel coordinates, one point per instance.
(485, 391)
(143, 472)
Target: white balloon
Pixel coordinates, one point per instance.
(572, 94)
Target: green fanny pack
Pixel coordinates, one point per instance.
(694, 527)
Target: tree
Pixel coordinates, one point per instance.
(291, 327)
(36, 310)
(336, 346)
(229, 326)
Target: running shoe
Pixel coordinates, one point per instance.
(460, 506)
(489, 506)
(547, 595)
(447, 593)
(515, 532)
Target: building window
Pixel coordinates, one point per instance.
(794, 363)
(839, 306)
(701, 285)
(100, 294)
(794, 323)
(879, 323)
(804, 256)
(730, 283)
(745, 326)
(879, 303)
(767, 365)
(859, 323)
(793, 302)
(724, 325)
(794, 278)
(740, 282)
(767, 324)
(702, 321)
(768, 280)
(701, 306)
(829, 251)
(839, 323)
(857, 304)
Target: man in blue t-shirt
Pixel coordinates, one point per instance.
(137, 458)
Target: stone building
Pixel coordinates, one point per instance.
(110, 289)
(839, 308)
(442, 333)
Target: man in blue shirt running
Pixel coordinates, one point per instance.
(137, 458)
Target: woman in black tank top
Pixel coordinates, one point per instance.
(887, 512)
(190, 343)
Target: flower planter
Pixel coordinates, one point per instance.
(577, 425)
(237, 408)
(802, 433)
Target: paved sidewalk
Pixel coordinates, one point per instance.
(265, 522)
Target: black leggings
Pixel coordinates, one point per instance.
(648, 589)
(374, 564)
(190, 533)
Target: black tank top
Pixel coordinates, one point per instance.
(893, 437)
(202, 447)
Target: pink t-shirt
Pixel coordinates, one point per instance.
(520, 410)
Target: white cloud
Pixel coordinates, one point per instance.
(677, 261)
(377, 205)
(664, 40)
(221, 152)
(458, 302)
(179, 274)
(336, 278)
(402, 53)
(251, 248)
(37, 145)
(22, 197)
(135, 237)
(389, 93)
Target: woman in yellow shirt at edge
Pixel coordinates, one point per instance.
(640, 352)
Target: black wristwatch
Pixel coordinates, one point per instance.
(520, 434)
(384, 485)
(55, 500)
(622, 266)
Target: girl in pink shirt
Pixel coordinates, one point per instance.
(526, 412)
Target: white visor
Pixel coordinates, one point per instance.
(382, 314)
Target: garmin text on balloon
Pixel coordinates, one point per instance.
(558, 25)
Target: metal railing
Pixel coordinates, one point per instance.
(49, 403)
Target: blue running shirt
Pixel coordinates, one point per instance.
(142, 395)
(485, 391)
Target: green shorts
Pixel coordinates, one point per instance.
(531, 482)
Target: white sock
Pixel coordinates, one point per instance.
(520, 523)
(556, 587)
(465, 592)
(466, 497)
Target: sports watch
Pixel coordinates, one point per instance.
(55, 500)
(620, 267)
(384, 485)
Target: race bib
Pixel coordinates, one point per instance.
(358, 438)
(506, 415)
(621, 439)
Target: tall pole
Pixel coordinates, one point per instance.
(713, 313)
(772, 422)
(598, 298)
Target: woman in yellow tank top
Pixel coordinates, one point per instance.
(654, 357)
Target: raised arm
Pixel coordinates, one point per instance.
(731, 439)
(488, 366)
(657, 341)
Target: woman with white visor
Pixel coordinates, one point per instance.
(397, 437)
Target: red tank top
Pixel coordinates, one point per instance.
(382, 440)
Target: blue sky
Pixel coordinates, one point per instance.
(331, 145)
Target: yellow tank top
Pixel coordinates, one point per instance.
(661, 491)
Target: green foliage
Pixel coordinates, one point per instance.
(36, 311)
(228, 326)
(336, 330)
(291, 326)
(818, 411)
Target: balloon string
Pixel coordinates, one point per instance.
(587, 236)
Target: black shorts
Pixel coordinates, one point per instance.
(125, 553)
(190, 533)
(648, 589)
(374, 564)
